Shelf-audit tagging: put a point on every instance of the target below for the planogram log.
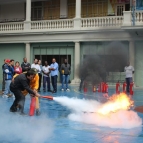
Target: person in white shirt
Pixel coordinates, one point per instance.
(129, 71)
(46, 77)
(36, 66)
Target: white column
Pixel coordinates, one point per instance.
(27, 51)
(63, 9)
(76, 63)
(127, 20)
(28, 10)
(132, 54)
(78, 9)
(27, 22)
(77, 19)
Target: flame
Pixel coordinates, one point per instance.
(115, 103)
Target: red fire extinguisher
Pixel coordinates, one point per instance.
(32, 106)
(117, 88)
(85, 87)
(131, 88)
(124, 87)
(106, 88)
(94, 88)
(102, 85)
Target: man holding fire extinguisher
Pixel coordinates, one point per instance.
(129, 71)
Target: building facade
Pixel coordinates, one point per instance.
(71, 29)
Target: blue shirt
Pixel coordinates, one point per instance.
(55, 71)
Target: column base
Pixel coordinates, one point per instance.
(75, 81)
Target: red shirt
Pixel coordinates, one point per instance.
(18, 70)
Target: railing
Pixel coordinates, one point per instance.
(139, 16)
(14, 26)
(102, 21)
(52, 24)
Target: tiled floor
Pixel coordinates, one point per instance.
(62, 129)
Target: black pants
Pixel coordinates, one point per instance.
(19, 100)
(3, 83)
(128, 81)
(40, 77)
(54, 82)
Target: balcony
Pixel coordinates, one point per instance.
(94, 23)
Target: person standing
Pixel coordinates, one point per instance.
(65, 71)
(17, 68)
(36, 66)
(3, 80)
(54, 74)
(129, 71)
(46, 77)
(40, 74)
(25, 65)
(8, 74)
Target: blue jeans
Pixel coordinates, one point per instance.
(7, 87)
(65, 80)
(54, 82)
(46, 80)
(128, 81)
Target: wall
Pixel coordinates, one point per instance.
(139, 63)
(11, 11)
(11, 51)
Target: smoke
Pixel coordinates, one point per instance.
(23, 129)
(85, 111)
(96, 65)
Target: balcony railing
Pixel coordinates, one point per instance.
(12, 26)
(110, 21)
(74, 24)
(52, 24)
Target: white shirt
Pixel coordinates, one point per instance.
(129, 71)
(46, 70)
(36, 66)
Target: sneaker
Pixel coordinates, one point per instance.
(5, 96)
(37, 113)
(54, 91)
(67, 89)
(22, 113)
(62, 89)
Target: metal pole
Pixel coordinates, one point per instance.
(133, 10)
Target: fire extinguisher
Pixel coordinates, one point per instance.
(85, 87)
(124, 87)
(94, 88)
(131, 88)
(102, 85)
(106, 88)
(117, 88)
(32, 106)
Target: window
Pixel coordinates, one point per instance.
(94, 8)
(119, 9)
(36, 12)
(71, 8)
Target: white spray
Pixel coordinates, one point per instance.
(85, 111)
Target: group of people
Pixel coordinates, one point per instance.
(49, 72)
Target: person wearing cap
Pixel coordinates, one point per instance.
(18, 85)
(8, 74)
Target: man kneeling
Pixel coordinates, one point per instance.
(21, 83)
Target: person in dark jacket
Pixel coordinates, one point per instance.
(65, 71)
(3, 80)
(8, 74)
(25, 65)
(19, 84)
